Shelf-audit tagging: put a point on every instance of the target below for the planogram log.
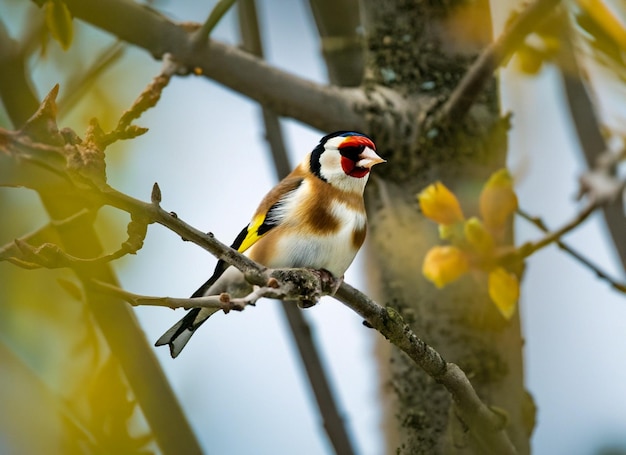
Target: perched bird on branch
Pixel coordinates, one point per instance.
(314, 218)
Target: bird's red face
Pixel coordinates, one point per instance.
(358, 155)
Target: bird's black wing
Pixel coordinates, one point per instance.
(221, 266)
(259, 226)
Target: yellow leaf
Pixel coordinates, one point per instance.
(451, 232)
(540, 47)
(478, 237)
(439, 204)
(497, 199)
(59, 22)
(444, 264)
(607, 19)
(529, 60)
(504, 291)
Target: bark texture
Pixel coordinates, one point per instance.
(417, 49)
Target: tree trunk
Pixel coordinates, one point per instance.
(420, 49)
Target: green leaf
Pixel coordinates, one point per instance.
(59, 22)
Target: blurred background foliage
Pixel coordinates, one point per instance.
(71, 396)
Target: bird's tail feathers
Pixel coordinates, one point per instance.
(180, 333)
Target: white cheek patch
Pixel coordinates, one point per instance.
(332, 171)
(330, 165)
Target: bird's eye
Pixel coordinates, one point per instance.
(352, 152)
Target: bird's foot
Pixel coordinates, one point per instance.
(329, 282)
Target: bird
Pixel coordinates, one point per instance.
(313, 218)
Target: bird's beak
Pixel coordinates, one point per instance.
(368, 158)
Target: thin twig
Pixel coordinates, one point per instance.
(16, 92)
(221, 302)
(11, 252)
(529, 248)
(599, 187)
(155, 214)
(202, 34)
(34, 250)
(590, 137)
(539, 223)
(78, 85)
(491, 58)
(212, 301)
(147, 99)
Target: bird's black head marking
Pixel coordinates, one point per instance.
(315, 165)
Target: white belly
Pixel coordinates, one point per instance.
(333, 252)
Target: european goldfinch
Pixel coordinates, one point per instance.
(314, 218)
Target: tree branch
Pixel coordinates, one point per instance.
(216, 14)
(15, 89)
(531, 247)
(590, 138)
(327, 108)
(538, 222)
(599, 185)
(484, 424)
(251, 40)
(338, 23)
(491, 58)
(81, 83)
(222, 302)
(76, 171)
(31, 251)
